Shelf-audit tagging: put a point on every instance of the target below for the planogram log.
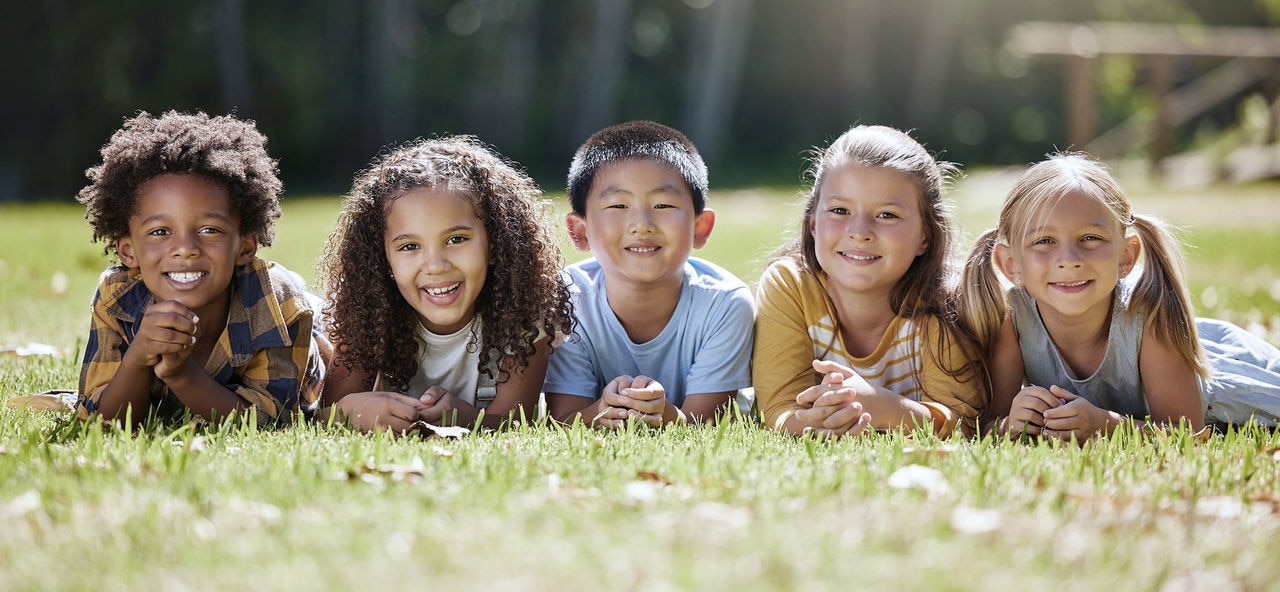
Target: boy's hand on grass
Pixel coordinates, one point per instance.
(165, 339)
(639, 397)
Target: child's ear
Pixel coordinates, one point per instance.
(702, 226)
(1003, 257)
(248, 250)
(124, 250)
(1129, 255)
(577, 225)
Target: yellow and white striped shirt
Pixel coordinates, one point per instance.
(796, 324)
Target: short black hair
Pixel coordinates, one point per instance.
(642, 140)
(228, 151)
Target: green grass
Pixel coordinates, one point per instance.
(544, 508)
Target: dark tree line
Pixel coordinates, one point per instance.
(754, 82)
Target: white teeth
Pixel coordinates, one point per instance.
(442, 291)
(1075, 285)
(860, 257)
(184, 277)
(643, 249)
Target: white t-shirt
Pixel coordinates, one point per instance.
(452, 363)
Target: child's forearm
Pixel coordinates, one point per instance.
(130, 387)
(203, 395)
(891, 411)
(588, 414)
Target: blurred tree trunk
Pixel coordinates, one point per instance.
(719, 52)
(387, 111)
(933, 55)
(498, 113)
(606, 68)
(232, 57)
(342, 121)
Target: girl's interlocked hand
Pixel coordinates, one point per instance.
(441, 408)
(379, 410)
(1075, 418)
(1026, 414)
(830, 408)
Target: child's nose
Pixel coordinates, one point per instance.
(185, 245)
(860, 228)
(640, 222)
(1068, 257)
(436, 261)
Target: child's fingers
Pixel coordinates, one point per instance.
(808, 396)
(652, 392)
(1064, 412)
(432, 395)
(1080, 436)
(1062, 393)
(828, 367)
(837, 397)
(645, 406)
(815, 416)
(613, 399)
(650, 419)
(832, 378)
(863, 424)
(844, 418)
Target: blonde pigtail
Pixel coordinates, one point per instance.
(1161, 293)
(982, 301)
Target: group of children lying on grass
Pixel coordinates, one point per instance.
(444, 300)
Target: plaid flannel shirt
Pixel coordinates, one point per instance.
(266, 355)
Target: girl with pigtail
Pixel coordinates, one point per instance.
(1087, 338)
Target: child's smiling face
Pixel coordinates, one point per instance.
(1071, 256)
(640, 222)
(867, 228)
(438, 250)
(185, 239)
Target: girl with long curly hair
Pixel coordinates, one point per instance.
(444, 290)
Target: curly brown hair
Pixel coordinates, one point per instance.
(228, 151)
(367, 318)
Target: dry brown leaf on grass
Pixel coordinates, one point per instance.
(58, 400)
(413, 470)
(652, 476)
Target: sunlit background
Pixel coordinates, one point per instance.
(755, 84)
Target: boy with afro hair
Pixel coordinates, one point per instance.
(191, 318)
(661, 337)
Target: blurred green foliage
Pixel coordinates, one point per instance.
(332, 82)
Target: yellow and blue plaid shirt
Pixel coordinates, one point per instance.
(267, 354)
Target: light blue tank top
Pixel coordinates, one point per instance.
(1115, 385)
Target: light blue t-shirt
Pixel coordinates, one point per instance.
(705, 347)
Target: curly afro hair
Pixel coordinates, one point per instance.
(226, 150)
(636, 139)
(370, 322)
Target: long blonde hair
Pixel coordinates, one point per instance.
(1160, 293)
